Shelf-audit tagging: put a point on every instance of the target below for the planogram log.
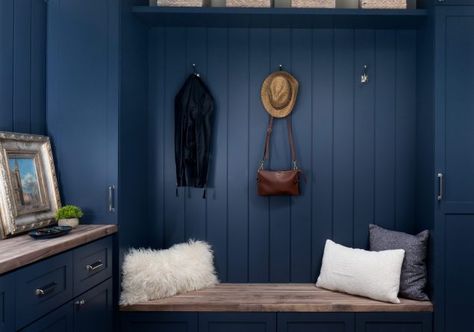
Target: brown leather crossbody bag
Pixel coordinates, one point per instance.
(278, 183)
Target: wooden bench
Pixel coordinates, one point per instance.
(275, 307)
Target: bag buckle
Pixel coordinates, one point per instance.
(295, 165)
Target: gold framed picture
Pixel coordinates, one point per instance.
(29, 194)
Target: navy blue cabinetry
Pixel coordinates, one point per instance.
(7, 303)
(236, 322)
(321, 322)
(60, 320)
(454, 166)
(394, 322)
(83, 94)
(93, 311)
(158, 321)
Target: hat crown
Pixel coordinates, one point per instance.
(279, 92)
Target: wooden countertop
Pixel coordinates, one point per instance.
(274, 298)
(23, 250)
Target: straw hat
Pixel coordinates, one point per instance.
(279, 91)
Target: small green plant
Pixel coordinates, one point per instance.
(69, 211)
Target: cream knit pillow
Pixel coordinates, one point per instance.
(366, 273)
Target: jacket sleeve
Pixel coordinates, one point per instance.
(204, 139)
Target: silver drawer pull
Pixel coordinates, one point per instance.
(80, 303)
(45, 290)
(94, 266)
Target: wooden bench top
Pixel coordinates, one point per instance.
(274, 298)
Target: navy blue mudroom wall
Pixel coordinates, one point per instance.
(23, 66)
(356, 144)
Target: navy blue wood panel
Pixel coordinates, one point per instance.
(59, 320)
(217, 221)
(7, 303)
(158, 321)
(364, 136)
(23, 66)
(83, 94)
(395, 322)
(321, 322)
(350, 140)
(259, 213)
(237, 322)
(96, 314)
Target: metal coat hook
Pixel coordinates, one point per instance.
(195, 70)
(280, 67)
(364, 78)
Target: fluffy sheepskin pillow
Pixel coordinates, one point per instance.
(155, 274)
(366, 273)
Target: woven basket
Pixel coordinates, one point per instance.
(248, 3)
(313, 3)
(179, 3)
(383, 4)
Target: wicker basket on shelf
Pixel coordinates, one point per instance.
(383, 4)
(248, 3)
(313, 3)
(179, 3)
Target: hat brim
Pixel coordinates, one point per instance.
(285, 111)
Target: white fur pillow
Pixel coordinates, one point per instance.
(155, 274)
(360, 272)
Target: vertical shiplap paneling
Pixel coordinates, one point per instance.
(156, 134)
(259, 217)
(321, 174)
(280, 215)
(343, 167)
(237, 155)
(385, 76)
(364, 136)
(217, 193)
(22, 65)
(38, 67)
(405, 130)
(6, 65)
(301, 208)
(348, 137)
(195, 214)
(175, 73)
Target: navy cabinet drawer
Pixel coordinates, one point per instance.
(159, 321)
(42, 287)
(7, 303)
(92, 264)
(94, 309)
(60, 320)
(321, 322)
(237, 322)
(394, 322)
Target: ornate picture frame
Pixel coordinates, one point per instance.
(29, 194)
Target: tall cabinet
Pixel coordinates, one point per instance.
(454, 167)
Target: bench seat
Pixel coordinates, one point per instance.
(273, 298)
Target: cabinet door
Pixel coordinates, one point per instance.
(93, 311)
(60, 320)
(454, 2)
(158, 321)
(394, 322)
(7, 303)
(237, 322)
(82, 112)
(455, 108)
(310, 322)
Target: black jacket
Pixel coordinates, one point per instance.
(194, 107)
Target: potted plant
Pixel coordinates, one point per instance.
(69, 215)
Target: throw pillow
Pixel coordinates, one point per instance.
(413, 277)
(360, 272)
(154, 274)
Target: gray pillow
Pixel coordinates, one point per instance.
(413, 276)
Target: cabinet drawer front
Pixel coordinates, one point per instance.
(60, 320)
(43, 287)
(92, 264)
(93, 310)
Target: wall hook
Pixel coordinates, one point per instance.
(364, 78)
(195, 70)
(280, 67)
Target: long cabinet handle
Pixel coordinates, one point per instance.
(111, 198)
(440, 186)
(45, 289)
(94, 266)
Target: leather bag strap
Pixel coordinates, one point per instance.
(266, 151)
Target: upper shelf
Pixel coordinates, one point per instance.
(280, 17)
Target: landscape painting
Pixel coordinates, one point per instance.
(25, 182)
